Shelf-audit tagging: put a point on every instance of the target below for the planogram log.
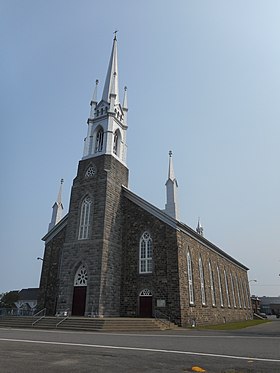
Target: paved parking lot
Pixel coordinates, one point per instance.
(252, 350)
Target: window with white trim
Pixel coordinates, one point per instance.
(248, 294)
(202, 284)
(238, 292)
(213, 296)
(220, 287)
(226, 284)
(116, 143)
(146, 253)
(190, 278)
(233, 292)
(81, 276)
(242, 294)
(99, 141)
(85, 219)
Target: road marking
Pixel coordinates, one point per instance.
(141, 349)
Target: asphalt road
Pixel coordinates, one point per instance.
(251, 350)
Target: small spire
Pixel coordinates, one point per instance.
(112, 69)
(94, 96)
(171, 206)
(199, 228)
(124, 106)
(57, 208)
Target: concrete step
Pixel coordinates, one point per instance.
(82, 323)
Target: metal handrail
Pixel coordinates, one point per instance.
(38, 313)
(163, 317)
(64, 318)
(61, 321)
(40, 318)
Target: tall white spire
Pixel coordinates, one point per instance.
(171, 206)
(57, 208)
(107, 123)
(111, 85)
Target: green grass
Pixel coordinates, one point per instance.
(233, 325)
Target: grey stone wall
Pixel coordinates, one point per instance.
(101, 252)
(49, 281)
(163, 282)
(209, 314)
(169, 280)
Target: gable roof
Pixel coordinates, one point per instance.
(28, 294)
(56, 229)
(179, 226)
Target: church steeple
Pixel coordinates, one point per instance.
(199, 227)
(57, 208)
(107, 123)
(171, 207)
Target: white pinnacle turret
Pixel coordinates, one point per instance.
(199, 228)
(171, 207)
(57, 208)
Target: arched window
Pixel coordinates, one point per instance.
(220, 287)
(81, 276)
(202, 285)
(247, 290)
(85, 219)
(145, 253)
(242, 293)
(99, 141)
(116, 143)
(233, 292)
(227, 292)
(190, 278)
(238, 292)
(212, 285)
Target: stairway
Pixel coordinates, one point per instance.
(118, 324)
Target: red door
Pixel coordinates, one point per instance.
(79, 300)
(146, 306)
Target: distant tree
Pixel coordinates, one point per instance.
(7, 300)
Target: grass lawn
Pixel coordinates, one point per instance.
(233, 325)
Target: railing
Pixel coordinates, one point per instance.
(164, 318)
(43, 311)
(66, 315)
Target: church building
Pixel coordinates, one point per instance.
(116, 255)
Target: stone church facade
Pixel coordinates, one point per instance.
(116, 255)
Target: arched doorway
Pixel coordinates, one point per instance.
(80, 292)
(145, 303)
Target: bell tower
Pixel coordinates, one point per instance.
(107, 123)
(93, 240)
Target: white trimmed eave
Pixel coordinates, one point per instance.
(179, 226)
(56, 229)
(150, 208)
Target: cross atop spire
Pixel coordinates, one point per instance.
(111, 82)
(171, 174)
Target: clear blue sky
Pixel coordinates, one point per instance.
(203, 80)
